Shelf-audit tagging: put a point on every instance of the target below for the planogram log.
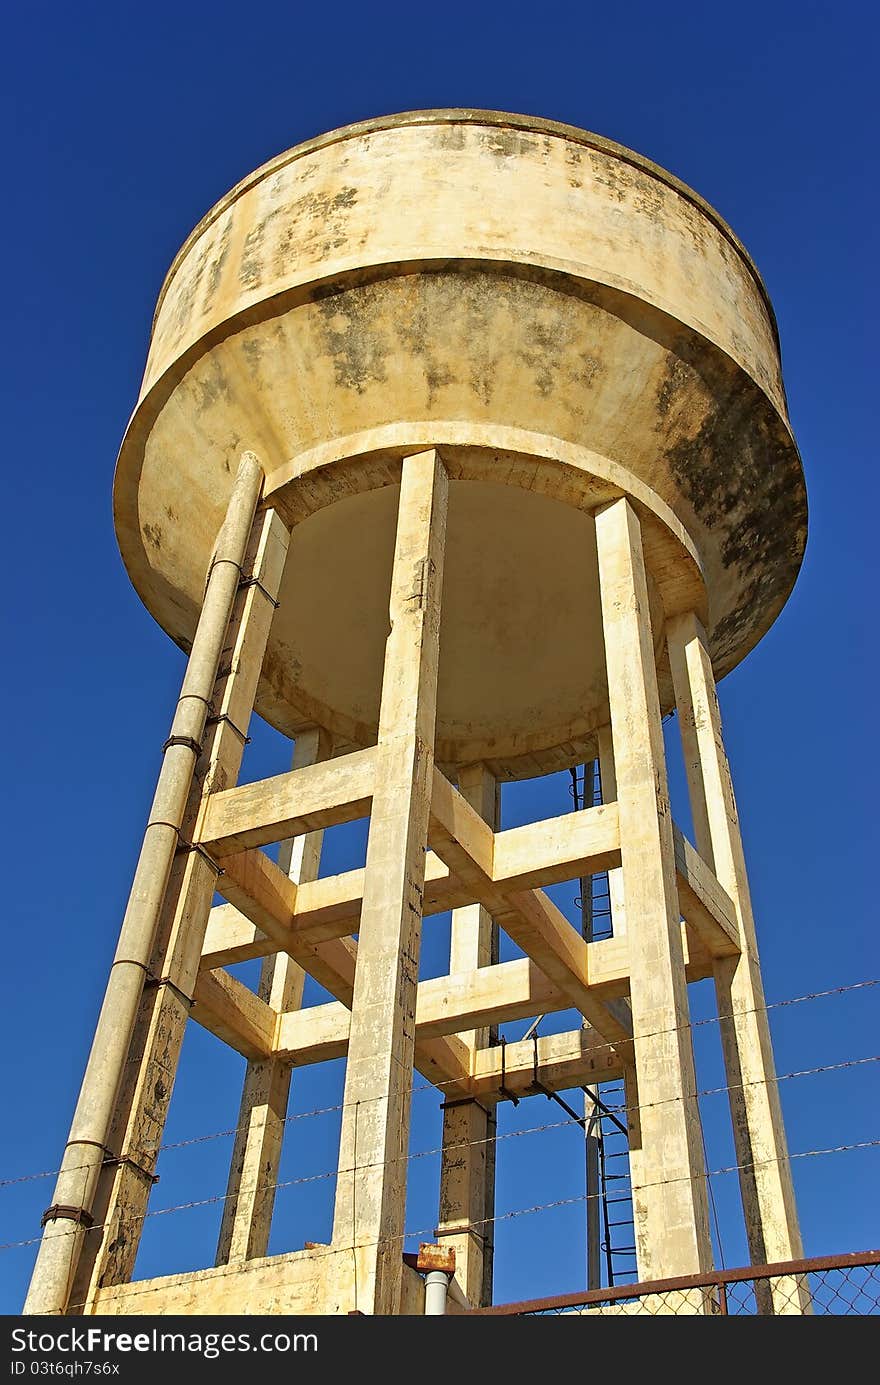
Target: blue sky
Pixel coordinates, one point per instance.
(122, 125)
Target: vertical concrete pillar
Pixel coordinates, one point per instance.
(669, 1186)
(256, 1153)
(371, 1186)
(142, 1104)
(765, 1172)
(467, 1169)
(85, 1158)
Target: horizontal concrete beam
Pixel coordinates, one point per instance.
(469, 863)
(287, 805)
(445, 1006)
(574, 1059)
(704, 904)
(459, 1002)
(261, 891)
(231, 1011)
(265, 894)
(564, 1060)
(466, 843)
(545, 852)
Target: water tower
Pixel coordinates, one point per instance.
(461, 456)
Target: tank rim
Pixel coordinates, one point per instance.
(467, 116)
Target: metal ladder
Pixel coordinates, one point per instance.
(610, 1226)
(618, 1226)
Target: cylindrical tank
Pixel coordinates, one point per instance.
(565, 321)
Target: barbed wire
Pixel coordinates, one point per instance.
(621, 1107)
(219, 1272)
(657, 1183)
(437, 1086)
(639, 1106)
(361, 1169)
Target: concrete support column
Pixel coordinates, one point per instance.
(256, 1153)
(374, 1145)
(668, 1175)
(74, 1207)
(765, 1172)
(144, 1096)
(467, 1170)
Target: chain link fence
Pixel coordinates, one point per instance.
(832, 1285)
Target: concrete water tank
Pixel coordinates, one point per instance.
(564, 320)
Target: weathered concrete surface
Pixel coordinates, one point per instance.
(569, 351)
(374, 1140)
(670, 1205)
(551, 311)
(766, 1182)
(467, 1167)
(153, 931)
(316, 1282)
(256, 1155)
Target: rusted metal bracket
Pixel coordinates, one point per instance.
(461, 1229)
(77, 1214)
(154, 982)
(537, 1084)
(184, 845)
(117, 1160)
(215, 721)
(255, 582)
(431, 1257)
(189, 741)
(464, 1101)
(507, 1095)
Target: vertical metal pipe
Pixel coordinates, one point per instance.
(69, 1216)
(436, 1289)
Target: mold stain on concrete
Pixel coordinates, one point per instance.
(452, 136)
(676, 379)
(741, 476)
(505, 144)
(418, 337)
(350, 340)
(216, 266)
(250, 269)
(547, 353)
(208, 388)
(252, 350)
